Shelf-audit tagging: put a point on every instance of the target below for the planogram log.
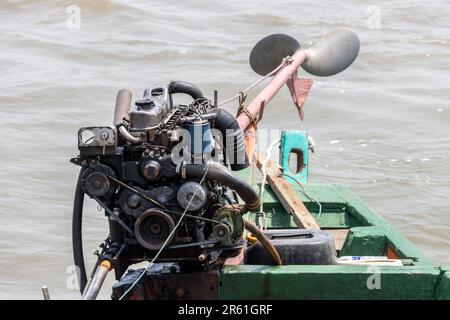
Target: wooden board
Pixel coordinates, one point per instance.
(287, 195)
(339, 236)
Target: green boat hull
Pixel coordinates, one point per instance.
(368, 235)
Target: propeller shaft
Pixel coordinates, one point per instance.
(272, 88)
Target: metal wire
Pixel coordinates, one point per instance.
(143, 195)
(194, 217)
(167, 239)
(305, 193)
(286, 61)
(165, 209)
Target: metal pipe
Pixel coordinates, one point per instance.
(96, 282)
(121, 112)
(123, 105)
(128, 136)
(45, 293)
(272, 88)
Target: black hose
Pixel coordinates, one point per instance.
(222, 174)
(233, 139)
(186, 88)
(77, 241)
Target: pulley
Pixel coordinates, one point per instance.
(152, 228)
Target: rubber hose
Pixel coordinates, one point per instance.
(77, 241)
(265, 242)
(233, 136)
(221, 173)
(186, 88)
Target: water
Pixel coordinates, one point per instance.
(381, 127)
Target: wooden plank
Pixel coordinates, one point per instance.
(339, 236)
(287, 195)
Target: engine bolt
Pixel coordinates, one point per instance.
(104, 135)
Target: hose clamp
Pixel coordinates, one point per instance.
(181, 168)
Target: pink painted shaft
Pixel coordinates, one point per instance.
(272, 88)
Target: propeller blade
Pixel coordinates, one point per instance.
(333, 53)
(270, 51)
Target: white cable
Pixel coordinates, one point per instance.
(167, 239)
(263, 181)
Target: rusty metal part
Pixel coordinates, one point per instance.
(45, 293)
(151, 170)
(123, 105)
(122, 114)
(299, 89)
(96, 282)
(128, 136)
(167, 282)
(266, 94)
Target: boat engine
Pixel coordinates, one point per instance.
(163, 175)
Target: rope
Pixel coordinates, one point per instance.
(243, 109)
(152, 263)
(263, 181)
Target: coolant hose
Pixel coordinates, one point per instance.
(233, 138)
(186, 88)
(222, 174)
(265, 242)
(77, 241)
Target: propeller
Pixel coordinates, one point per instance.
(332, 54)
